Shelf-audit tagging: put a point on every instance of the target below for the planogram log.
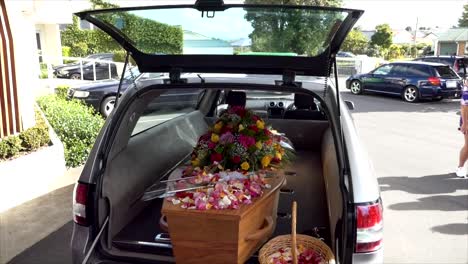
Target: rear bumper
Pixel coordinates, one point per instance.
(438, 92)
(369, 258)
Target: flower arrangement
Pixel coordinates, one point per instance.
(239, 140)
(224, 190)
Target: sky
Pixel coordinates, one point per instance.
(402, 13)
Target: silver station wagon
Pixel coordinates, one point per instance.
(277, 61)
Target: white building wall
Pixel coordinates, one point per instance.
(26, 62)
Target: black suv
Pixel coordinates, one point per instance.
(458, 63)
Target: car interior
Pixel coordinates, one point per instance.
(139, 161)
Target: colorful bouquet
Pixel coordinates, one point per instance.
(304, 256)
(239, 140)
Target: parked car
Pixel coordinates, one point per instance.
(139, 146)
(458, 63)
(345, 54)
(103, 70)
(410, 80)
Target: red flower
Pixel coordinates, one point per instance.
(255, 118)
(216, 157)
(239, 110)
(267, 132)
(211, 145)
(275, 160)
(225, 129)
(236, 159)
(254, 128)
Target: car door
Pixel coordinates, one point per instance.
(397, 79)
(377, 80)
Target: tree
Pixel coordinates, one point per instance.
(463, 21)
(382, 36)
(355, 42)
(290, 30)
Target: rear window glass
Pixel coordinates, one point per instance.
(446, 72)
(167, 106)
(418, 70)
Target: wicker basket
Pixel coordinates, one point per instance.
(292, 240)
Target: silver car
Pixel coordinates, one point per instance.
(283, 73)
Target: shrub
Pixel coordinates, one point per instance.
(28, 140)
(76, 124)
(10, 146)
(62, 90)
(66, 51)
(119, 56)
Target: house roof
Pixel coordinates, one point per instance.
(454, 34)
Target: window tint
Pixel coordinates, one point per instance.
(167, 106)
(383, 70)
(399, 70)
(418, 70)
(446, 72)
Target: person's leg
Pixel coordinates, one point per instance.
(464, 152)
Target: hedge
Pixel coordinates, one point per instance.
(29, 140)
(76, 124)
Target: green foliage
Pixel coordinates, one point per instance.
(119, 56)
(394, 52)
(355, 42)
(374, 51)
(62, 91)
(66, 51)
(150, 36)
(76, 124)
(463, 21)
(29, 140)
(288, 31)
(10, 147)
(382, 36)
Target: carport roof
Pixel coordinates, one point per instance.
(454, 34)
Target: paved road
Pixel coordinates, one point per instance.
(414, 150)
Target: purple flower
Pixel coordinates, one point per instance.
(227, 138)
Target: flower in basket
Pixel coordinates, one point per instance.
(239, 140)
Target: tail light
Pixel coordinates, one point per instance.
(81, 204)
(434, 80)
(369, 227)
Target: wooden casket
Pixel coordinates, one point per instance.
(223, 236)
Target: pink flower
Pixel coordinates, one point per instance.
(211, 145)
(246, 141)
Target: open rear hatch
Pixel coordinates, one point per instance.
(213, 37)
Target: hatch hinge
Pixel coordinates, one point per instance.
(174, 77)
(289, 79)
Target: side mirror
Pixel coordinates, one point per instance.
(350, 105)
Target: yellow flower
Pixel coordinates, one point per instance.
(218, 127)
(214, 138)
(195, 162)
(259, 145)
(245, 165)
(278, 155)
(241, 127)
(266, 161)
(260, 124)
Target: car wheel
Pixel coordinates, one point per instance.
(411, 94)
(107, 105)
(75, 76)
(356, 87)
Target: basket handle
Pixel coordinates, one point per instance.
(293, 232)
(262, 232)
